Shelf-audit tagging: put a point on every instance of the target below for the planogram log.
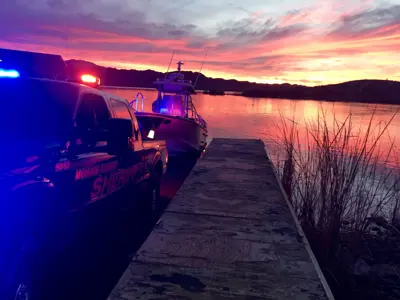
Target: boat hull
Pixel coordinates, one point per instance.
(183, 136)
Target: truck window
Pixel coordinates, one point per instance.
(120, 109)
(91, 119)
(123, 111)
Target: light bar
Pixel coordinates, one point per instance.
(9, 73)
(87, 78)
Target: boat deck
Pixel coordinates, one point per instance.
(228, 234)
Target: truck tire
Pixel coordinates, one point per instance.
(28, 243)
(21, 274)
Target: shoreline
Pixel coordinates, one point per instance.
(238, 94)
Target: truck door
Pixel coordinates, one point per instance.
(87, 160)
(135, 164)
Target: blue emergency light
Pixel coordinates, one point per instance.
(16, 64)
(4, 73)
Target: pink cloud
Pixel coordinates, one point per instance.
(251, 47)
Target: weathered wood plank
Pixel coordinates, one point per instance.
(241, 281)
(275, 228)
(228, 234)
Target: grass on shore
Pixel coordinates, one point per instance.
(339, 180)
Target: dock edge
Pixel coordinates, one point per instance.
(321, 276)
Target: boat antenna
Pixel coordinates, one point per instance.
(173, 53)
(198, 74)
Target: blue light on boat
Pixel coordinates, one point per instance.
(9, 73)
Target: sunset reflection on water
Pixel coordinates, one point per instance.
(232, 116)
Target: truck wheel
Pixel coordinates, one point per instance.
(22, 292)
(28, 240)
(21, 289)
(21, 275)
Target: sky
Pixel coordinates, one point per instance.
(305, 42)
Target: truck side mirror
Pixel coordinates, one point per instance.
(120, 131)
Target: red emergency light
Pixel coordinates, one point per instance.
(90, 79)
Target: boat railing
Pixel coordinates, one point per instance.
(198, 119)
(135, 103)
(194, 114)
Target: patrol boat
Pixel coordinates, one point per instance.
(174, 117)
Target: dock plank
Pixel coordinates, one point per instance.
(228, 234)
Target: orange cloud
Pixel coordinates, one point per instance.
(318, 44)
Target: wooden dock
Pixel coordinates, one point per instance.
(228, 234)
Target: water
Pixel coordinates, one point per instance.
(233, 116)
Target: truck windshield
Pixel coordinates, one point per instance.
(35, 111)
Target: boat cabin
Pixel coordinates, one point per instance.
(174, 95)
(174, 98)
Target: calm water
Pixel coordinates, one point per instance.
(240, 117)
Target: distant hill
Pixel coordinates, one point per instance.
(369, 91)
(136, 78)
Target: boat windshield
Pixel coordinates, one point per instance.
(173, 105)
(34, 111)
